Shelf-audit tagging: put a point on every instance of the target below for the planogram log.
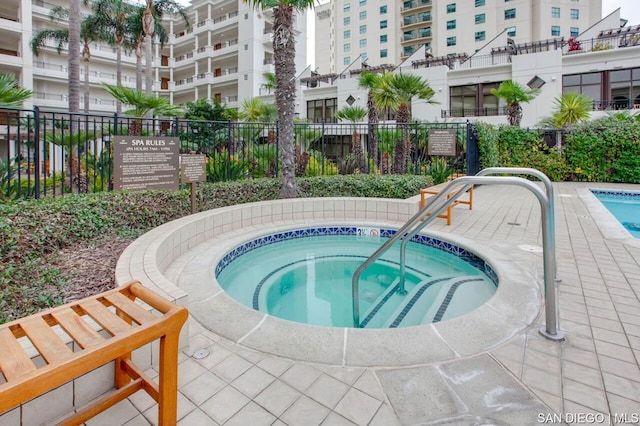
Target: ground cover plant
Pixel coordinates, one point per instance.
(54, 250)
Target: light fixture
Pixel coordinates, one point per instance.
(536, 82)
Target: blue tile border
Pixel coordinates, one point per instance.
(445, 246)
(616, 193)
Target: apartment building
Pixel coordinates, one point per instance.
(382, 32)
(222, 55)
(602, 63)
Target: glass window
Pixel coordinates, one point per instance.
(574, 31)
(511, 31)
(451, 24)
(383, 24)
(346, 20)
(424, 32)
(555, 12)
(383, 10)
(363, 42)
(347, 33)
(451, 41)
(363, 14)
(346, 7)
(555, 30)
(408, 35)
(479, 3)
(574, 13)
(408, 50)
(363, 56)
(424, 16)
(480, 35)
(589, 84)
(509, 14)
(347, 47)
(347, 60)
(451, 8)
(481, 18)
(383, 53)
(363, 2)
(383, 38)
(363, 29)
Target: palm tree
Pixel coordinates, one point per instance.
(142, 104)
(368, 81)
(151, 16)
(11, 95)
(74, 55)
(137, 40)
(514, 94)
(571, 108)
(355, 114)
(270, 81)
(112, 16)
(90, 31)
(284, 53)
(395, 92)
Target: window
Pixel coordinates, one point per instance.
(473, 100)
(511, 31)
(555, 30)
(347, 60)
(555, 12)
(363, 2)
(363, 29)
(574, 13)
(363, 42)
(383, 38)
(574, 31)
(424, 32)
(347, 34)
(346, 7)
(323, 109)
(481, 18)
(363, 56)
(383, 10)
(424, 16)
(589, 84)
(451, 24)
(509, 14)
(383, 24)
(451, 41)
(346, 20)
(480, 35)
(479, 3)
(347, 47)
(363, 14)
(451, 8)
(383, 53)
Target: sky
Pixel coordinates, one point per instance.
(630, 9)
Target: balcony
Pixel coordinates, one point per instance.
(414, 5)
(474, 112)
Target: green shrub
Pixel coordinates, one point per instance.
(487, 136)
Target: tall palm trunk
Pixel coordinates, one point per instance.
(401, 148)
(119, 42)
(139, 53)
(148, 27)
(373, 122)
(74, 56)
(357, 152)
(86, 57)
(284, 49)
(514, 114)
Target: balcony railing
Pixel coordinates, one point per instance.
(616, 104)
(573, 47)
(473, 112)
(414, 4)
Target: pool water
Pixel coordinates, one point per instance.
(624, 205)
(309, 280)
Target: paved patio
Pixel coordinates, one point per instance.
(591, 378)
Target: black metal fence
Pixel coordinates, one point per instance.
(47, 153)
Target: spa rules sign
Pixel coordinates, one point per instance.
(143, 162)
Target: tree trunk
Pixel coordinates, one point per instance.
(86, 56)
(74, 56)
(147, 25)
(284, 52)
(400, 154)
(119, 41)
(514, 114)
(373, 122)
(356, 148)
(139, 54)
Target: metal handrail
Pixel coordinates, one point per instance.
(547, 185)
(425, 215)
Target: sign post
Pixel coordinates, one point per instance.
(193, 168)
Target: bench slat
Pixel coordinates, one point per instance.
(103, 316)
(46, 341)
(135, 311)
(77, 328)
(14, 361)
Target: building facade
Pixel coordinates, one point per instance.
(382, 32)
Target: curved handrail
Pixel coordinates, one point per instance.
(425, 215)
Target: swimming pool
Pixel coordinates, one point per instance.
(625, 207)
(305, 276)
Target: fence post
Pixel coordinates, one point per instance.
(322, 145)
(277, 148)
(473, 153)
(36, 144)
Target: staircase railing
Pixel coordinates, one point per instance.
(436, 205)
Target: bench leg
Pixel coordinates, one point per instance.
(168, 380)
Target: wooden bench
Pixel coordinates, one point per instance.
(102, 328)
(426, 191)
